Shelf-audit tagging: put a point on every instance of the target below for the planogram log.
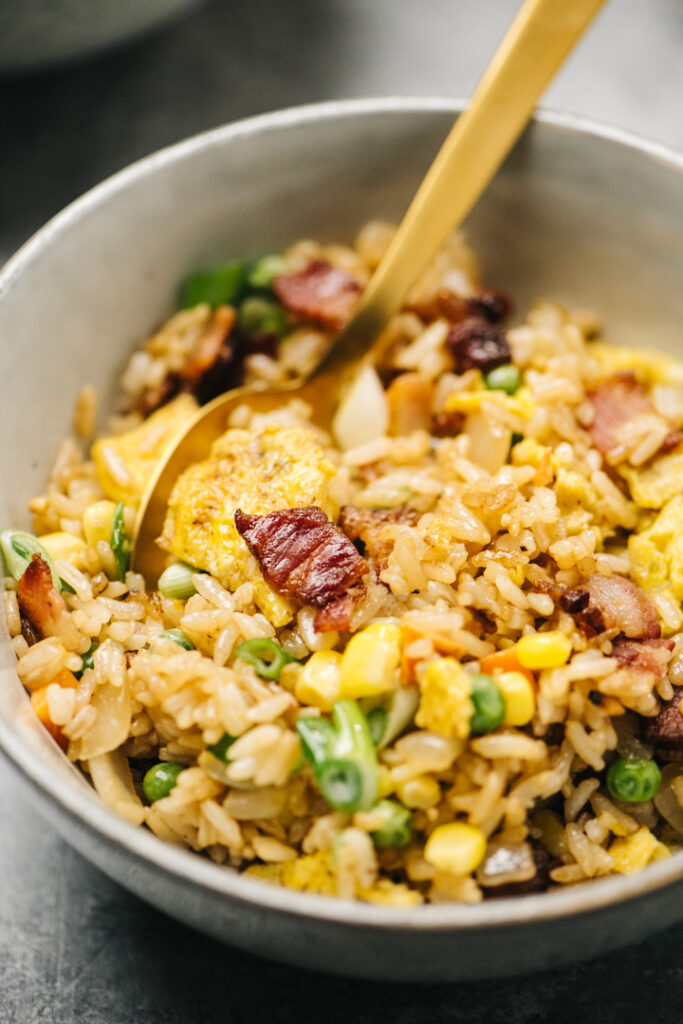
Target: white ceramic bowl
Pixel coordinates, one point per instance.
(44, 32)
(580, 213)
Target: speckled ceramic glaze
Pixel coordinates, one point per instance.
(580, 213)
(38, 32)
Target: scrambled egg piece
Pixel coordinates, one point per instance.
(445, 703)
(650, 368)
(313, 873)
(125, 462)
(519, 404)
(653, 485)
(656, 553)
(283, 467)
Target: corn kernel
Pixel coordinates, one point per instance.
(98, 519)
(516, 574)
(544, 650)
(456, 848)
(421, 792)
(520, 700)
(371, 661)
(62, 545)
(635, 851)
(319, 681)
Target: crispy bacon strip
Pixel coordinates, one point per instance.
(665, 731)
(42, 604)
(320, 293)
(302, 554)
(617, 400)
(645, 655)
(367, 525)
(612, 602)
(477, 344)
(490, 304)
(337, 615)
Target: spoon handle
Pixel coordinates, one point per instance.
(541, 36)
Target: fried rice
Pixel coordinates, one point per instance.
(466, 683)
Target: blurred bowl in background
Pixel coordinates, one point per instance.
(35, 33)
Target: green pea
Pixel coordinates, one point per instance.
(222, 286)
(178, 637)
(633, 781)
(161, 779)
(266, 656)
(220, 748)
(504, 378)
(489, 704)
(261, 316)
(396, 828)
(265, 270)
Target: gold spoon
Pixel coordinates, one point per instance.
(541, 36)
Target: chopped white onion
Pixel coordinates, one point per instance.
(666, 800)
(489, 442)
(363, 413)
(505, 863)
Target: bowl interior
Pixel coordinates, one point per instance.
(575, 216)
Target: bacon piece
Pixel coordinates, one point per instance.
(336, 616)
(671, 441)
(612, 602)
(665, 731)
(367, 525)
(447, 424)
(617, 400)
(477, 344)
(488, 304)
(320, 293)
(302, 554)
(42, 604)
(645, 655)
(210, 368)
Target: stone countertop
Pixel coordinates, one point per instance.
(73, 946)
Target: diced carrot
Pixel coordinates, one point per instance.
(39, 705)
(505, 661)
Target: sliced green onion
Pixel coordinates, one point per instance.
(342, 756)
(377, 718)
(263, 271)
(341, 783)
(87, 660)
(18, 548)
(120, 542)
(266, 656)
(220, 749)
(160, 780)
(396, 828)
(504, 378)
(222, 286)
(178, 637)
(261, 316)
(176, 581)
(515, 439)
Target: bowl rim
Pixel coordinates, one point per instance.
(82, 805)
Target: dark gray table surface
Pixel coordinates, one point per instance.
(73, 946)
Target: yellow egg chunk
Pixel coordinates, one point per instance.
(283, 467)
(98, 520)
(636, 851)
(456, 848)
(657, 553)
(653, 485)
(371, 661)
(445, 699)
(125, 462)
